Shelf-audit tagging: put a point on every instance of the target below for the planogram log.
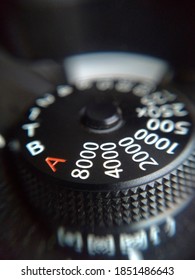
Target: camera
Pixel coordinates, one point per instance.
(97, 130)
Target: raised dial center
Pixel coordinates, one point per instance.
(102, 115)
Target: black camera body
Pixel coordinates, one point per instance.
(72, 50)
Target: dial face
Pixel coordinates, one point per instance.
(107, 134)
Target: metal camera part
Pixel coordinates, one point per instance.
(107, 162)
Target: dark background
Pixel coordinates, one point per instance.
(54, 29)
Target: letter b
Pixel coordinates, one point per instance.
(35, 148)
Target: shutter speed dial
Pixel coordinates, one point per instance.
(105, 154)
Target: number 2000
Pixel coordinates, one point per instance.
(137, 155)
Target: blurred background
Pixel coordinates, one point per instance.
(57, 28)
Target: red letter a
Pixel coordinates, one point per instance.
(53, 161)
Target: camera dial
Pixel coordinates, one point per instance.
(106, 160)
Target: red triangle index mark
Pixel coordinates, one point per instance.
(53, 161)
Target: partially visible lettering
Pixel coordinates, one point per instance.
(137, 240)
(45, 101)
(64, 90)
(70, 239)
(130, 244)
(101, 245)
(155, 235)
(34, 113)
